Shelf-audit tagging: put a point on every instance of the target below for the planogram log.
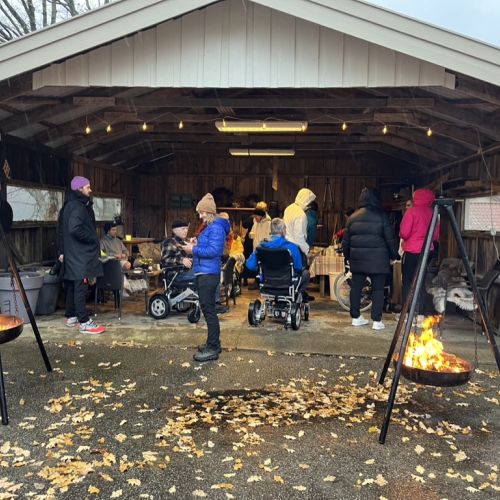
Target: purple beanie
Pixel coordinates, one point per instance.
(79, 182)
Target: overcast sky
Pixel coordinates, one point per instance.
(479, 19)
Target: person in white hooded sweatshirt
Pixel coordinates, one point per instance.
(296, 219)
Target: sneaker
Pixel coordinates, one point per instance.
(359, 321)
(73, 321)
(221, 309)
(91, 327)
(378, 325)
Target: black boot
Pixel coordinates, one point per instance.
(209, 354)
(203, 347)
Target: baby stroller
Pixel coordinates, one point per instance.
(179, 295)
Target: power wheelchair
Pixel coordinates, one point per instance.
(180, 296)
(279, 289)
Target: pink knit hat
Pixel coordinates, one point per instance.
(78, 182)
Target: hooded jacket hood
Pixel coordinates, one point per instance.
(304, 197)
(423, 198)
(370, 197)
(224, 223)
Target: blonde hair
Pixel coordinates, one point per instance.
(262, 205)
(210, 218)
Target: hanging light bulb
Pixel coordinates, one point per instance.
(88, 130)
(385, 130)
(429, 132)
(144, 127)
(181, 125)
(109, 129)
(344, 126)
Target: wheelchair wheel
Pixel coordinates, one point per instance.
(254, 313)
(343, 290)
(194, 315)
(296, 316)
(159, 307)
(306, 312)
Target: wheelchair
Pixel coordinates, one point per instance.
(177, 296)
(279, 287)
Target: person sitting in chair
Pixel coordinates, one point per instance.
(173, 253)
(112, 246)
(278, 241)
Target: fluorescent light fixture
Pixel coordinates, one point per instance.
(261, 152)
(260, 126)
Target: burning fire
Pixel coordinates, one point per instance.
(8, 322)
(425, 352)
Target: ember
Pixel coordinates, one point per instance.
(425, 352)
(8, 322)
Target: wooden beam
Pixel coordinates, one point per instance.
(14, 87)
(100, 101)
(276, 102)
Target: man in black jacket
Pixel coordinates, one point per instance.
(371, 247)
(79, 252)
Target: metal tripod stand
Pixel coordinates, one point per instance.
(411, 303)
(22, 292)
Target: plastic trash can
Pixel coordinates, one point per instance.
(32, 282)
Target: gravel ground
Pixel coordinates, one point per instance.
(132, 421)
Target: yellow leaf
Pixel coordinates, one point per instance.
(121, 438)
(373, 429)
(254, 479)
(222, 486)
(380, 480)
(94, 490)
(116, 494)
(419, 469)
(199, 493)
(134, 482)
(278, 479)
(460, 456)
(370, 461)
(300, 488)
(172, 489)
(304, 466)
(419, 449)
(329, 479)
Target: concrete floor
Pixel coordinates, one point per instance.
(282, 415)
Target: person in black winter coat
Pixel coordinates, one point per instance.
(79, 252)
(371, 247)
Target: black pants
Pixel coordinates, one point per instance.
(378, 283)
(206, 285)
(76, 295)
(408, 269)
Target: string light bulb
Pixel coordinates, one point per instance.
(344, 126)
(144, 127)
(385, 130)
(88, 130)
(181, 125)
(429, 132)
(109, 129)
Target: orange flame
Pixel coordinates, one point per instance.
(425, 352)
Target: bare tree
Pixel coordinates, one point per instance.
(20, 17)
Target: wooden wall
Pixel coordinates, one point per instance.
(246, 176)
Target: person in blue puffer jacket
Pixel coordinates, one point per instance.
(207, 254)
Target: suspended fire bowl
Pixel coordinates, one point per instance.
(10, 328)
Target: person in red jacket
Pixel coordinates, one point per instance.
(413, 232)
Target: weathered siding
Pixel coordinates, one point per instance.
(241, 44)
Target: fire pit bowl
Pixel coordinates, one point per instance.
(437, 378)
(10, 328)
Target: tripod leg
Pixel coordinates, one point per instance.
(3, 399)
(399, 328)
(418, 286)
(22, 292)
(472, 280)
